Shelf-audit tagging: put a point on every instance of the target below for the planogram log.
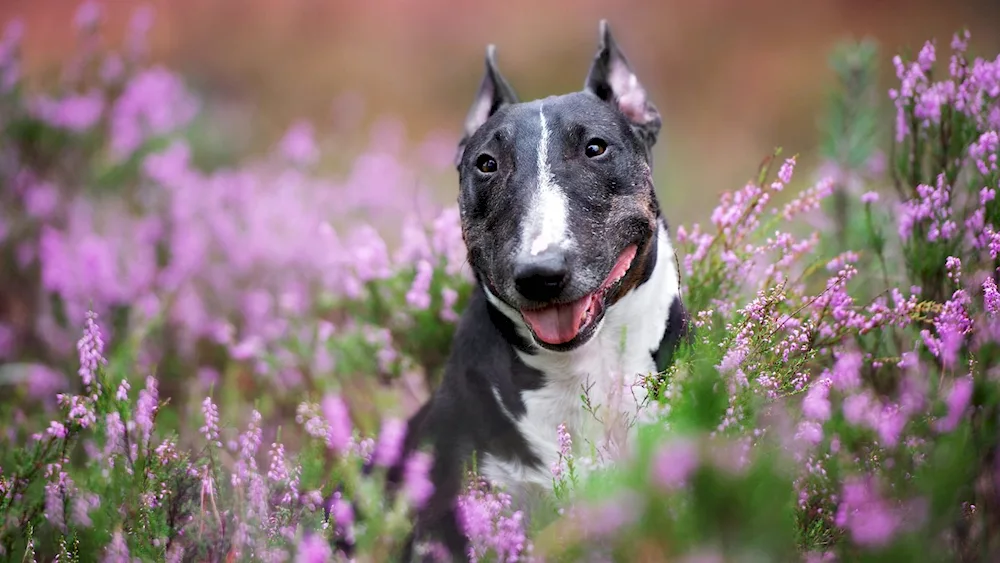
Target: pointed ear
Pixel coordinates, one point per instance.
(494, 93)
(612, 79)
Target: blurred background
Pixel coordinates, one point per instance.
(733, 79)
(108, 209)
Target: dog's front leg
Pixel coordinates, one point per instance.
(436, 521)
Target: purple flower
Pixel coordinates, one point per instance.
(112, 68)
(913, 80)
(417, 485)
(123, 389)
(154, 103)
(674, 462)
(809, 199)
(176, 553)
(927, 56)
(342, 513)
(88, 15)
(145, 409)
(370, 258)
(41, 200)
(991, 297)
(76, 113)
(81, 409)
(446, 240)
(339, 421)
(298, 144)
(816, 404)
(857, 407)
(869, 197)
(931, 209)
(565, 451)
(45, 382)
(83, 504)
(786, 170)
(257, 497)
(278, 472)
(847, 370)
(246, 465)
(390, 442)
(115, 436)
(822, 557)
(138, 28)
(314, 549)
(11, 38)
(985, 152)
(951, 326)
(931, 100)
(957, 401)
(419, 296)
(810, 432)
(953, 266)
(492, 527)
(381, 338)
(57, 430)
(57, 494)
(91, 348)
(869, 518)
(10, 72)
(889, 425)
(117, 550)
(448, 299)
(210, 430)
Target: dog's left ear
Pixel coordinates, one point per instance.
(494, 93)
(612, 79)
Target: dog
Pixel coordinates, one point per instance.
(576, 286)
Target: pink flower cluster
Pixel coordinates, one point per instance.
(872, 520)
(246, 258)
(968, 88)
(931, 209)
(496, 531)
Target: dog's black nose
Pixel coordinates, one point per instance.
(542, 277)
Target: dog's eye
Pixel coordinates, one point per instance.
(486, 164)
(596, 147)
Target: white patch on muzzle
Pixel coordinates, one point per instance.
(546, 223)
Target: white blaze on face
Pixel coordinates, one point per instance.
(546, 222)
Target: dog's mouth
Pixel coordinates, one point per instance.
(560, 324)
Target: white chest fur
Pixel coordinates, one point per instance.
(606, 370)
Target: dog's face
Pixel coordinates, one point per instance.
(557, 203)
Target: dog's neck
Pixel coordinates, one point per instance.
(607, 370)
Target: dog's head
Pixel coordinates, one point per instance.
(557, 203)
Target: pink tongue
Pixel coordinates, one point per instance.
(559, 323)
(621, 266)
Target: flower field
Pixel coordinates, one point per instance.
(199, 353)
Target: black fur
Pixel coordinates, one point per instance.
(612, 203)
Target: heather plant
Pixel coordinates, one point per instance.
(110, 205)
(246, 333)
(855, 420)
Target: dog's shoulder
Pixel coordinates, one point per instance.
(482, 382)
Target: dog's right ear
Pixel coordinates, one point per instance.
(612, 79)
(494, 93)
